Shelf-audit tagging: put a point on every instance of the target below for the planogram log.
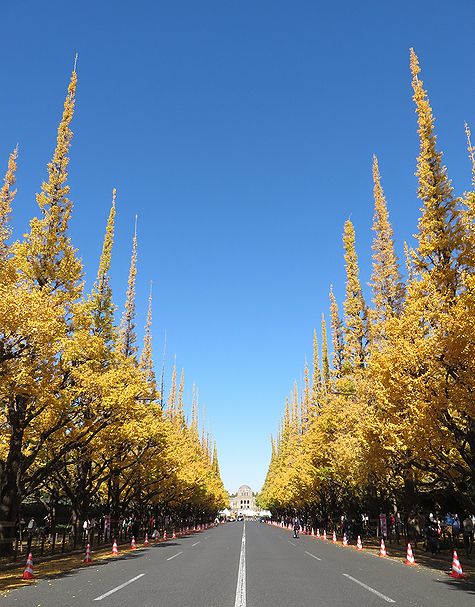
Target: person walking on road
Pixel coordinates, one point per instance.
(296, 527)
(467, 529)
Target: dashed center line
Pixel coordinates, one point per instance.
(175, 555)
(366, 587)
(312, 555)
(292, 543)
(103, 596)
(240, 600)
(195, 544)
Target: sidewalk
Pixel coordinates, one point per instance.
(441, 561)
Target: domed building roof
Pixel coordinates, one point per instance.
(243, 488)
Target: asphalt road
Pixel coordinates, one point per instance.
(246, 565)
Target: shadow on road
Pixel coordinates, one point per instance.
(69, 565)
(461, 585)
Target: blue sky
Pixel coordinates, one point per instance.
(241, 133)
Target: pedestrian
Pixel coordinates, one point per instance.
(31, 528)
(467, 529)
(455, 529)
(296, 527)
(47, 527)
(432, 535)
(86, 527)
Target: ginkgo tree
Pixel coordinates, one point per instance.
(396, 421)
(80, 413)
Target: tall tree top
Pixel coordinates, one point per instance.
(146, 356)
(127, 327)
(471, 151)
(440, 233)
(194, 410)
(316, 378)
(7, 194)
(337, 336)
(172, 401)
(386, 279)
(102, 304)
(325, 360)
(180, 407)
(106, 254)
(46, 256)
(354, 305)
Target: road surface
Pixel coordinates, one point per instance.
(246, 565)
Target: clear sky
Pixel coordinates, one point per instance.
(241, 133)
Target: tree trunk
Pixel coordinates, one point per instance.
(10, 498)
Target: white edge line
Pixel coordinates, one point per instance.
(177, 554)
(380, 594)
(195, 544)
(315, 557)
(103, 596)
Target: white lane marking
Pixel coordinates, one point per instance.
(315, 557)
(195, 544)
(291, 543)
(241, 581)
(134, 579)
(175, 555)
(382, 596)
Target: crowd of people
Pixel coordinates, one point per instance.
(435, 531)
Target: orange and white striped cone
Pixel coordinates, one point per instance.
(456, 567)
(345, 540)
(146, 542)
(174, 536)
(133, 545)
(325, 534)
(28, 574)
(410, 560)
(313, 532)
(165, 535)
(318, 533)
(334, 537)
(87, 558)
(115, 550)
(382, 549)
(359, 544)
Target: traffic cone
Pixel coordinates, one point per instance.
(410, 560)
(313, 532)
(382, 550)
(146, 542)
(165, 535)
(87, 558)
(174, 536)
(133, 546)
(456, 567)
(345, 540)
(334, 537)
(324, 534)
(318, 533)
(28, 573)
(115, 550)
(359, 545)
